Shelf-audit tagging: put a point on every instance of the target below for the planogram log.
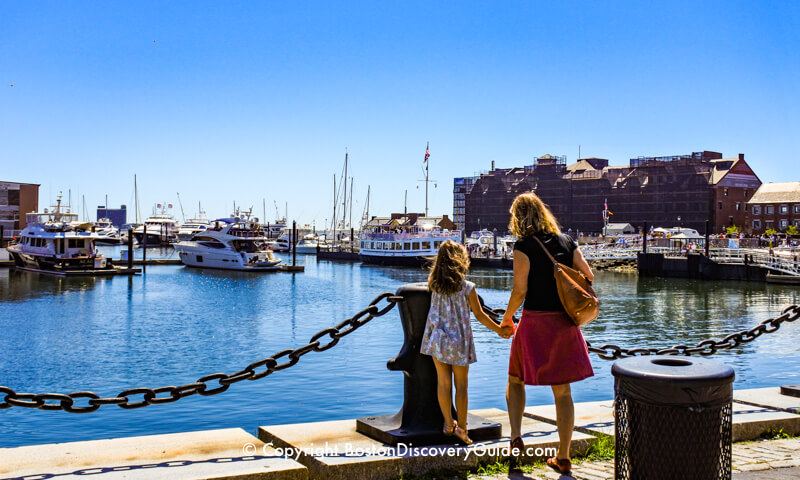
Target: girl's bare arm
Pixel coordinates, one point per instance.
(475, 306)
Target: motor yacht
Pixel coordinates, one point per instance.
(191, 228)
(55, 242)
(162, 228)
(106, 231)
(229, 244)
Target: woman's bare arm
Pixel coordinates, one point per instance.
(580, 264)
(522, 266)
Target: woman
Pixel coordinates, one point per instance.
(548, 349)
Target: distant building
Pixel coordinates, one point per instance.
(774, 206)
(619, 229)
(118, 216)
(418, 219)
(680, 190)
(17, 199)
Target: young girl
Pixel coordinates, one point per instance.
(448, 333)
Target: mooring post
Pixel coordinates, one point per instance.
(644, 237)
(2, 237)
(294, 242)
(708, 242)
(130, 248)
(419, 421)
(144, 245)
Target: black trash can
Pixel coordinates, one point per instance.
(673, 418)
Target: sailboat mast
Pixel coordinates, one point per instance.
(136, 199)
(427, 149)
(344, 202)
(350, 221)
(333, 221)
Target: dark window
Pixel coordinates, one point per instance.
(213, 244)
(720, 205)
(199, 259)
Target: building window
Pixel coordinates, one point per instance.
(796, 209)
(745, 193)
(725, 192)
(756, 209)
(719, 204)
(784, 209)
(730, 221)
(769, 210)
(768, 224)
(783, 224)
(738, 206)
(796, 223)
(756, 224)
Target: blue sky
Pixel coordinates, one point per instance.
(244, 101)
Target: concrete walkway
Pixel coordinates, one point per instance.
(761, 460)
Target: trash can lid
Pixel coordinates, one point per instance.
(673, 369)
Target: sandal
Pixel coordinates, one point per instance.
(560, 465)
(518, 444)
(448, 430)
(461, 434)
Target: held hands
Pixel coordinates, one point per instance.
(505, 331)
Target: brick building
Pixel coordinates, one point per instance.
(681, 190)
(16, 199)
(774, 206)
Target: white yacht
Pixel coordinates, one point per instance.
(308, 243)
(107, 232)
(307, 239)
(230, 244)
(55, 242)
(397, 243)
(191, 228)
(162, 229)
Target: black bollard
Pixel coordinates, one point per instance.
(419, 421)
(644, 237)
(708, 241)
(144, 245)
(294, 242)
(130, 248)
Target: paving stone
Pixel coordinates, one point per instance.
(217, 454)
(590, 417)
(769, 397)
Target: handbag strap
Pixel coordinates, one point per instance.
(545, 250)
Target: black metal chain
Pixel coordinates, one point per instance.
(254, 371)
(706, 347)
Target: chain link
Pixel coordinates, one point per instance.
(153, 396)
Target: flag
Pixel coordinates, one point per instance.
(427, 153)
(605, 204)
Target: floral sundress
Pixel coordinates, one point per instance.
(448, 331)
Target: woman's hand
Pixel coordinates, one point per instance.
(505, 331)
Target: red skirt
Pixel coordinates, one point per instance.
(548, 349)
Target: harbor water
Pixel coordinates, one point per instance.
(173, 325)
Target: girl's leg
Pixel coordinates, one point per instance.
(515, 399)
(460, 375)
(444, 390)
(565, 417)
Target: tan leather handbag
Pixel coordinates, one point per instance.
(575, 291)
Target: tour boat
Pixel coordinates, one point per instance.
(229, 244)
(55, 242)
(403, 245)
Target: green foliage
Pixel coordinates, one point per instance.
(601, 450)
(792, 230)
(775, 434)
(770, 231)
(732, 230)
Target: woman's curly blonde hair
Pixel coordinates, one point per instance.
(449, 268)
(529, 215)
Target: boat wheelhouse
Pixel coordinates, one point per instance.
(409, 241)
(56, 242)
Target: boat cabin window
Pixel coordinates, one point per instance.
(415, 246)
(426, 245)
(212, 244)
(75, 243)
(406, 246)
(436, 245)
(245, 246)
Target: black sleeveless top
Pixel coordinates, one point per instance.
(542, 291)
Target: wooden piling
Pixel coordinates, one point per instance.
(294, 242)
(130, 248)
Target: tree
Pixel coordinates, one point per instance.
(792, 230)
(732, 230)
(770, 231)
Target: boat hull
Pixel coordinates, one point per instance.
(397, 260)
(54, 264)
(224, 260)
(152, 239)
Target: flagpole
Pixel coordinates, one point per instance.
(427, 180)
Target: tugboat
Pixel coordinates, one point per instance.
(54, 242)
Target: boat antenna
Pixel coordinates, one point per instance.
(136, 202)
(333, 220)
(344, 202)
(181, 204)
(350, 221)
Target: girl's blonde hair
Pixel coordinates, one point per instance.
(449, 268)
(529, 215)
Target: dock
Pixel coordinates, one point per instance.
(334, 450)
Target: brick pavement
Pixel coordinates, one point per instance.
(766, 459)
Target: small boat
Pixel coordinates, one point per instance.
(55, 242)
(783, 279)
(229, 244)
(308, 244)
(191, 228)
(106, 231)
